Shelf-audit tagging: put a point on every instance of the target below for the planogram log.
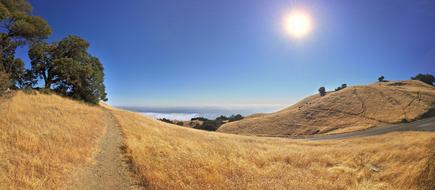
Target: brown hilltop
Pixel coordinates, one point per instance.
(350, 109)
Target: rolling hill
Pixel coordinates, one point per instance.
(353, 108)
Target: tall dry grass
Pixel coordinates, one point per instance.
(172, 157)
(43, 138)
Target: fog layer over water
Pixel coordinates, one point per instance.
(186, 113)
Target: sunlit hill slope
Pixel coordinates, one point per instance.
(350, 109)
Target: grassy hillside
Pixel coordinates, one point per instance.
(350, 109)
(43, 138)
(171, 157)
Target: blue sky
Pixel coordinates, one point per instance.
(226, 52)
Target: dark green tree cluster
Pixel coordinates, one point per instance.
(343, 86)
(322, 91)
(426, 78)
(214, 124)
(230, 118)
(65, 66)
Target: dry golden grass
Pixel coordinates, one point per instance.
(351, 109)
(43, 138)
(171, 157)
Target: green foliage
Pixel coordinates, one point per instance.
(65, 66)
(381, 79)
(426, 78)
(69, 69)
(343, 86)
(18, 27)
(19, 24)
(322, 91)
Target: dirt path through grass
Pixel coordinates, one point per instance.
(110, 170)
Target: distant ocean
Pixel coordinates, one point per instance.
(186, 113)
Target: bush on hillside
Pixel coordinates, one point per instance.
(381, 79)
(426, 78)
(343, 86)
(322, 91)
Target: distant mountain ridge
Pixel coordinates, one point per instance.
(350, 109)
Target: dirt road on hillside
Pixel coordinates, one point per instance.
(427, 124)
(110, 171)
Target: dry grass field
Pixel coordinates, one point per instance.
(353, 108)
(43, 138)
(172, 157)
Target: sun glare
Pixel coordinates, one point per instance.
(298, 24)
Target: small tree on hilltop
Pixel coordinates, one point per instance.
(322, 91)
(426, 78)
(381, 79)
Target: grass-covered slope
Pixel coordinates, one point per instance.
(43, 138)
(172, 157)
(350, 109)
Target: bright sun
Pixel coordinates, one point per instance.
(298, 24)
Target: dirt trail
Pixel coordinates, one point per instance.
(110, 171)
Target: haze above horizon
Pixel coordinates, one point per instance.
(200, 53)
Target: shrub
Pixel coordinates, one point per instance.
(381, 79)
(322, 91)
(166, 120)
(29, 90)
(209, 125)
(45, 91)
(5, 82)
(426, 78)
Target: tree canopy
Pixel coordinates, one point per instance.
(18, 27)
(65, 66)
(426, 78)
(68, 68)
